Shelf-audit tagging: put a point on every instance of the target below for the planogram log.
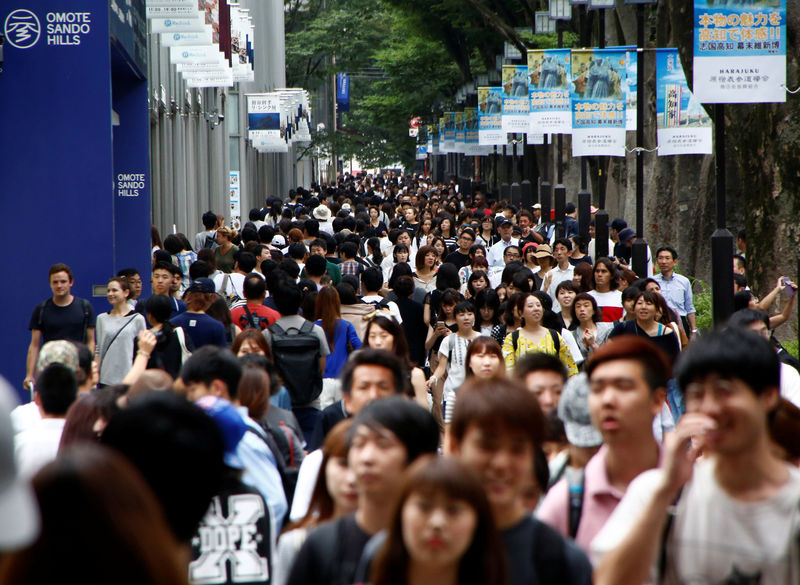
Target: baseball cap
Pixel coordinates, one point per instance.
(504, 222)
(537, 205)
(618, 224)
(59, 351)
(202, 285)
(230, 423)
(19, 512)
(279, 241)
(573, 410)
(626, 235)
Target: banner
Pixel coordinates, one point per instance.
(490, 109)
(549, 73)
(236, 211)
(739, 51)
(598, 103)
(683, 126)
(460, 132)
(631, 88)
(343, 92)
(435, 143)
(516, 102)
(421, 152)
(471, 147)
(449, 132)
(264, 118)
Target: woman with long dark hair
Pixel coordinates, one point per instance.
(442, 530)
(385, 333)
(342, 339)
(604, 289)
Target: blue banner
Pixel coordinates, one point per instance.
(343, 92)
(490, 109)
(740, 51)
(683, 126)
(549, 73)
(598, 102)
(516, 102)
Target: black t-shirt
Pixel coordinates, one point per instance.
(330, 555)
(457, 258)
(538, 555)
(331, 416)
(69, 322)
(232, 543)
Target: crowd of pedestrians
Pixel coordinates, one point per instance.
(388, 381)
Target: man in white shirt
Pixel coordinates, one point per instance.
(563, 270)
(55, 391)
(730, 518)
(495, 253)
(371, 283)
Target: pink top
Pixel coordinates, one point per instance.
(599, 500)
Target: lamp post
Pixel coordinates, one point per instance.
(639, 248)
(545, 25)
(560, 10)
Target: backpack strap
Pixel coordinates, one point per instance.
(277, 329)
(576, 481)
(308, 327)
(556, 340)
(662, 546)
(86, 309)
(250, 316)
(40, 322)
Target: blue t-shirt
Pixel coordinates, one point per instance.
(203, 330)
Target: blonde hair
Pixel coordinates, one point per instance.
(229, 233)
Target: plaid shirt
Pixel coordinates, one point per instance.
(351, 267)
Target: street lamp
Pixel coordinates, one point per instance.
(544, 24)
(560, 10)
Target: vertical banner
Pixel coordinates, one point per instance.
(471, 132)
(516, 102)
(421, 151)
(343, 92)
(461, 132)
(631, 88)
(739, 51)
(442, 148)
(683, 126)
(264, 122)
(450, 131)
(490, 110)
(598, 102)
(236, 213)
(435, 143)
(549, 73)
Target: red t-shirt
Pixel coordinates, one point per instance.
(263, 316)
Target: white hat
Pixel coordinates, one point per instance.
(345, 207)
(19, 513)
(322, 213)
(278, 241)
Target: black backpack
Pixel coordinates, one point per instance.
(297, 358)
(209, 241)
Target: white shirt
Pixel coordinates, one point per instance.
(25, 416)
(715, 538)
(559, 276)
(233, 285)
(495, 253)
(790, 384)
(306, 480)
(391, 305)
(38, 445)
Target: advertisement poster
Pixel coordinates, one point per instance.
(631, 88)
(264, 117)
(683, 126)
(549, 74)
(234, 199)
(471, 147)
(450, 131)
(598, 102)
(490, 109)
(461, 132)
(739, 51)
(516, 101)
